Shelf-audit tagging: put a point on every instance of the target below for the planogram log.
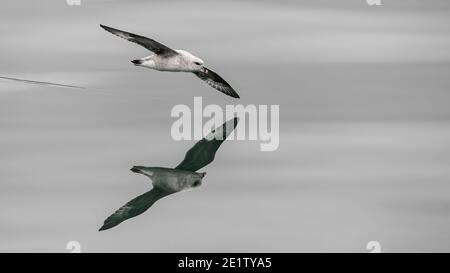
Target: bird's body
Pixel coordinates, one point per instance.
(167, 59)
(171, 180)
(181, 62)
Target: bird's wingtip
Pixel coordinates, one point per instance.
(106, 226)
(105, 27)
(234, 94)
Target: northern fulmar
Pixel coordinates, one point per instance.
(174, 60)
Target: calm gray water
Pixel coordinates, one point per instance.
(364, 126)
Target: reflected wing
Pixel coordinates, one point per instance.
(205, 150)
(41, 83)
(148, 43)
(133, 208)
(217, 82)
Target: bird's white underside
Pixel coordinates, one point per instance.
(182, 62)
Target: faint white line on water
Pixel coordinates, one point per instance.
(41, 83)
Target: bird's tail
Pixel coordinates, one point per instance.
(137, 169)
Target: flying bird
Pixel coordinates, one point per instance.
(167, 181)
(174, 60)
(41, 83)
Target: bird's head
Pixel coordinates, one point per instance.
(196, 180)
(196, 64)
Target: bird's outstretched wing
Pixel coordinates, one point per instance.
(135, 207)
(148, 43)
(41, 83)
(216, 81)
(205, 150)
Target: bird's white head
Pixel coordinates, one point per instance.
(196, 180)
(191, 62)
(196, 64)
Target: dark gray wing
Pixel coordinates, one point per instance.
(135, 207)
(148, 43)
(217, 82)
(205, 150)
(41, 83)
